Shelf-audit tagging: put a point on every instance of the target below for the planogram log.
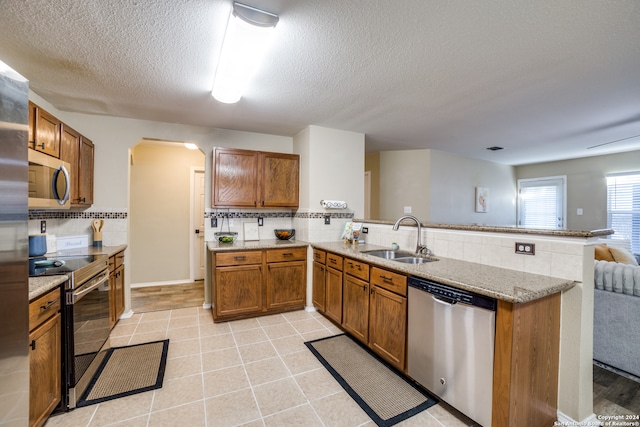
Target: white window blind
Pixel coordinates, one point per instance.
(541, 203)
(623, 207)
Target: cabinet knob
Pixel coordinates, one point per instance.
(387, 279)
(33, 344)
(47, 305)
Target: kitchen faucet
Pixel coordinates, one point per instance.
(420, 249)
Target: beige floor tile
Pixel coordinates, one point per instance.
(259, 351)
(184, 312)
(289, 344)
(77, 417)
(278, 396)
(295, 417)
(191, 415)
(141, 421)
(449, 416)
(279, 331)
(205, 318)
(178, 392)
(183, 333)
(216, 342)
(120, 341)
(207, 329)
(183, 322)
(301, 361)
(293, 316)
(224, 381)
(274, 319)
(424, 418)
(122, 409)
(135, 318)
(266, 370)
(320, 333)
(183, 367)
(307, 325)
(339, 410)
(318, 384)
(249, 336)
(183, 348)
(244, 324)
(152, 326)
(155, 315)
(124, 329)
(255, 423)
(232, 409)
(220, 359)
(147, 337)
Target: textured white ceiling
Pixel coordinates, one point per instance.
(543, 79)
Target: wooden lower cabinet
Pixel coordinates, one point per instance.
(355, 308)
(45, 366)
(319, 286)
(254, 283)
(333, 297)
(116, 287)
(388, 326)
(238, 290)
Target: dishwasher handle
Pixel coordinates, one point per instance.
(444, 300)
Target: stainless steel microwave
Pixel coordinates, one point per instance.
(49, 182)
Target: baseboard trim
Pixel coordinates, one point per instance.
(565, 420)
(310, 309)
(126, 314)
(206, 306)
(165, 283)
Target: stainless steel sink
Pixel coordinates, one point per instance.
(414, 260)
(404, 257)
(387, 254)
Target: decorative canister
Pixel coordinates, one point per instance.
(37, 245)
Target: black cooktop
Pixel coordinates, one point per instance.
(51, 266)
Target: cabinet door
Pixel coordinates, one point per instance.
(237, 290)
(333, 295)
(85, 172)
(45, 370)
(319, 285)
(69, 146)
(112, 300)
(118, 292)
(388, 326)
(280, 180)
(286, 284)
(355, 308)
(46, 133)
(235, 178)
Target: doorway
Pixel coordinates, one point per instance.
(161, 213)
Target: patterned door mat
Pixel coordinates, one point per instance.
(382, 393)
(126, 371)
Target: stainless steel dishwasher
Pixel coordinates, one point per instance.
(451, 334)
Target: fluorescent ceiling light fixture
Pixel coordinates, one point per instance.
(190, 146)
(249, 34)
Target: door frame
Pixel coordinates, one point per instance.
(195, 170)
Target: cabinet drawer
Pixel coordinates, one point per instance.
(356, 268)
(390, 281)
(282, 255)
(44, 307)
(119, 259)
(334, 261)
(238, 258)
(319, 256)
(112, 264)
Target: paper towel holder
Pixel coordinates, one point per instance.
(333, 204)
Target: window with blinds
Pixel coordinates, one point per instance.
(623, 207)
(541, 202)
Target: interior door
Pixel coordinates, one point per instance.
(197, 213)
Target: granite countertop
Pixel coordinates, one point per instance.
(500, 283)
(43, 284)
(237, 245)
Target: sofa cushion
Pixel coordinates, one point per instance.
(623, 256)
(602, 253)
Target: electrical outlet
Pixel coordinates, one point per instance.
(327, 219)
(365, 230)
(407, 209)
(525, 248)
(214, 222)
(43, 226)
(260, 221)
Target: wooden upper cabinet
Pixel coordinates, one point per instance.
(44, 131)
(280, 180)
(78, 152)
(245, 178)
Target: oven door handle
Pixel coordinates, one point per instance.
(92, 285)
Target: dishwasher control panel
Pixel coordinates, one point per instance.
(451, 294)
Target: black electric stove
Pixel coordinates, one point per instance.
(79, 268)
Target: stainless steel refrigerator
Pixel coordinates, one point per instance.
(14, 251)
